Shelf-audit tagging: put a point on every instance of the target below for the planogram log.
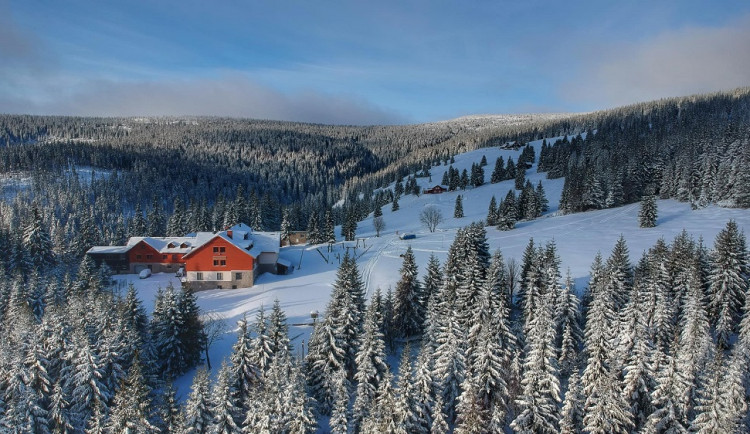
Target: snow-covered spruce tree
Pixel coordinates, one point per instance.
(571, 415)
(492, 213)
(571, 335)
(423, 389)
(86, 381)
(648, 212)
(409, 307)
(541, 198)
(507, 212)
(225, 408)
(36, 241)
(541, 385)
(336, 338)
(261, 352)
(131, 407)
(605, 411)
(192, 335)
(340, 414)
(167, 326)
(371, 367)
(385, 415)
(314, 235)
(171, 418)
(489, 353)
(198, 415)
(458, 209)
(449, 370)
(246, 373)
(329, 236)
(498, 174)
(667, 416)
(474, 254)
(694, 347)
(728, 281)
(278, 331)
(620, 274)
(721, 403)
(636, 349)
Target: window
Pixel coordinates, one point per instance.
(216, 250)
(164, 257)
(138, 257)
(220, 262)
(234, 286)
(219, 287)
(223, 262)
(149, 257)
(219, 276)
(237, 276)
(199, 276)
(216, 262)
(222, 249)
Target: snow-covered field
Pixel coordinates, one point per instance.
(578, 238)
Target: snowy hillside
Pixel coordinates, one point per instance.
(578, 238)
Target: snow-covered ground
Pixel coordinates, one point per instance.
(578, 238)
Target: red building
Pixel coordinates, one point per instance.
(232, 258)
(435, 190)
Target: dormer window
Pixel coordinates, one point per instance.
(171, 245)
(184, 245)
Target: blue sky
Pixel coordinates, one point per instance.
(363, 62)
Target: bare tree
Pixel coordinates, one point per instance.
(513, 274)
(431, 217)
(379, 224)
(214, 328)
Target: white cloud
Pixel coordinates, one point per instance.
(686, 61)
(230, 95)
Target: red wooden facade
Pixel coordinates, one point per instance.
(218, 255)
(143, 253)
(435, 190)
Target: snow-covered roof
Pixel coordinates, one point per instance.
(109, 249)
(267, 241)
(241, 235)
(173, 244)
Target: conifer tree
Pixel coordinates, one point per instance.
(339, 422)
(498, 174)
(571, 416)
(520, 174)
(449, 369)
(458, 210)
(409, 307)
(541, 385)
(329, 236)
(335, 340)
(667, 418)
(225, 409)
(371, 367)
(36, 241)
(605, 411)
(728, 280)
(648, 212)
(492, 213)
(314, 235)
(198, 414)
(87, 387)
(131, 407)
(171, 418)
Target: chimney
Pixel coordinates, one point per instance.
(229, 233)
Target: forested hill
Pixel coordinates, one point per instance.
(161, 176)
